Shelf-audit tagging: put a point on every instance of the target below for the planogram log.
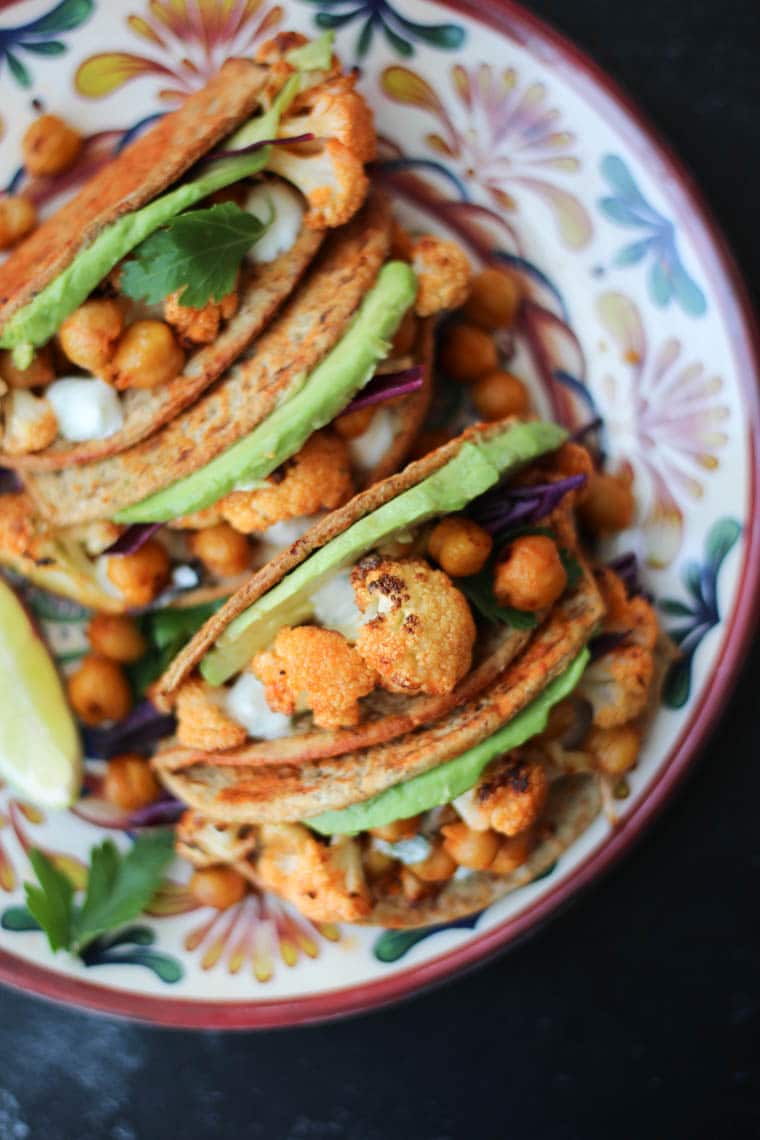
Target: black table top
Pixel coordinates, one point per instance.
(633, 1014)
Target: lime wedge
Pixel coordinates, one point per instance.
(40, 753)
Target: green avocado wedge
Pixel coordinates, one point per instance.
(323, 394)
(478, 465)
(36, 322)
(447, 781)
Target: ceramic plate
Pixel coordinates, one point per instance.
(495, 130)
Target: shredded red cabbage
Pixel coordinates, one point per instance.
(167, 810)
(580, 433)
(388, 387)
(606, 642)
(505, 507)
(626, 566)
(144, 726)
(9, 481)
(253, 147)
(132, 539)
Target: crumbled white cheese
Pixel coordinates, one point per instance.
(334, 605)
(407, 851)
(369, 448)
(185, 577)
(285, 206)
(85, 407)
(246, 703)
(283, 534)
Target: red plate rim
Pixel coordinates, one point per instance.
(733, 303)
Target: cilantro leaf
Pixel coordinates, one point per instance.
(167, 632)
(119, 887)
(198, 252)
(478, 589)
(51, 903)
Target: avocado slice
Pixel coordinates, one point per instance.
(477, 466)
(322, 395)
(447, 781)
(36, 322)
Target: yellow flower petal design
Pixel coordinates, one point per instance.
(101, 75)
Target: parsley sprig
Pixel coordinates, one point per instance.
(119, 887)
(198, 252)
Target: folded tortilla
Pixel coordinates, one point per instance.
(311, 323)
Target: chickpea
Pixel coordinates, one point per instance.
(494, 299)
(437, 867)
(500, 394)
(219, 887)
(354, 424)
(18, 217)
(146, 356)
(399, 829)
(39, 372)
(129, 782)
(513, 852)
(467, 353)
(531, 576)
(223, 550)
(49, 145)
(140, 576)
(117, 637)
(376, 864)
(459, 546)
(406, 334)
(99, 691)
(614, 750)
(608, 505)
(468, 848)
(428, 441)
(90, 334)
(562, 719)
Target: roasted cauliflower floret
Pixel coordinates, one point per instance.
(202, 721)
(30, 423)
(95, 537)
(634, 617)
(317, 669)
(198, 326)
(508, 798)
(206, 842)
(22, 535)
(329, 175)
(443, 275)
(422, 637)
(617, 684)
(334, 110)
(324, 881)
(317, 478)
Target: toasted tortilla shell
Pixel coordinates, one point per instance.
(143, 169)
(311, 323)
(265, 288)
(285, 792)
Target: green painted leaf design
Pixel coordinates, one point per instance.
(722, 537)
(394, 944)
(19, 919)
(66, 16)
(677, 687)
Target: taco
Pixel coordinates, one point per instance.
(137, 294)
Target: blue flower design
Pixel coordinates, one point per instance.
(703, 613)
(38, 36)
(627, 206)
(380, 15)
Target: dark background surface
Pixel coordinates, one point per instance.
(635, 1013)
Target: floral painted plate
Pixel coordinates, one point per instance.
(495, 130)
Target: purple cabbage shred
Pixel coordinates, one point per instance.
(9, 481)
(132, 539)
(388, 387)
(606, 642)
(139, 731)
(505, 507)
(253, 147)
(167, 810)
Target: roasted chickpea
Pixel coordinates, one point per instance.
(562, 719)
(376, 864)
(608, 505)
(99, 691)
(49, 145)
(468, 848)
(219, 887)
(428, 441)
(354, 424)
(141, 576)
(499, 394)
(18, 217)
(437, 867)
(406, 334)
(494, 299)
(39, 372)
(467, 353)
(531, 576)
(90, 334)
(614, 750)
(459, 546)
(513, 852)
(399, 829)
(146, 356)
(117, 637)
(223, 550)
(129, 782)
